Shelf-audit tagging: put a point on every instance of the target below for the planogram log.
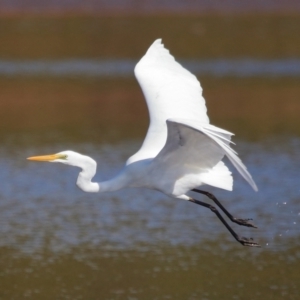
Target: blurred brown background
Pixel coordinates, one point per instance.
(263, 104)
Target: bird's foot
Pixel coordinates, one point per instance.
(244, 222)
(248, 242)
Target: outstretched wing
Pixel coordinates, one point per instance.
(170, 91)
(192, 156)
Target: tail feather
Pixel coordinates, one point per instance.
(232, 155)
(219, 176)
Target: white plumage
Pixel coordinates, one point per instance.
(180, 140)
(181, 151)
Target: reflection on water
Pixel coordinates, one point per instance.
(124, 67)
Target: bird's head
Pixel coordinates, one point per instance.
(87, 164)
(66, 157)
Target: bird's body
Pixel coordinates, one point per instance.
(181, 151)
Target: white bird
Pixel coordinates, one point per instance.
(181, 151)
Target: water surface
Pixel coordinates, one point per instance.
(49, 204)
(47, 225)
(246, 67)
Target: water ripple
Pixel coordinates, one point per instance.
(40, 206)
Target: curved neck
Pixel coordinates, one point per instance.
(84, 180)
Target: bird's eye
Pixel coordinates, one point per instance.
(64, 156)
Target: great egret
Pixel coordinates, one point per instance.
(181, 151)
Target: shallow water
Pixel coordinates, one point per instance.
(50, 205)
(96, 245)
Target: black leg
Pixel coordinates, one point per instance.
(243, 222)
(244, 241)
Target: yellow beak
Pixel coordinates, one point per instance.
(50, 157)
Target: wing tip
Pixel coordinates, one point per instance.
(158, 45)
(254, 186)
(158, 41)
(156, 52)
(246, 175)
(232, 155)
